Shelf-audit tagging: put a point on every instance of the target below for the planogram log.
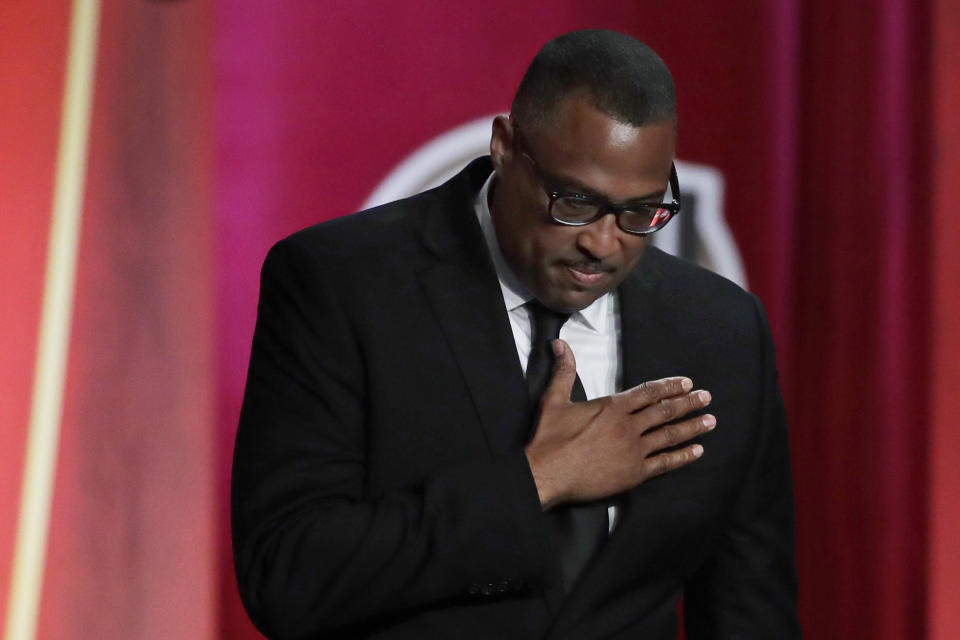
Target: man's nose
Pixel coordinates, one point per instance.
(600, 238)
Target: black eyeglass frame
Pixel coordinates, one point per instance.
(603, 208)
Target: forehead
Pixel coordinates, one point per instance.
(580, 144)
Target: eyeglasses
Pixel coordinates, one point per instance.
(577, 209)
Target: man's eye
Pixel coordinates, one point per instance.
(574, 202)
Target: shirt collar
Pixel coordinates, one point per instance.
(515, 295)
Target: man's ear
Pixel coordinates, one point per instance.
(501, 141)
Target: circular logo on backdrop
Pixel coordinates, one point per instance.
(700, 233)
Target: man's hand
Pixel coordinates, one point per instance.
(585, 451)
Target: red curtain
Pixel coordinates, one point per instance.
(130, 546)
(944, 472)
(859, 382)
(129, 553)
(31, 82)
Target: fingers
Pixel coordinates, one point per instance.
(652, 391)
(564, 374)
(672, 436)
(672, 460)
(676, 434)
(671, 409)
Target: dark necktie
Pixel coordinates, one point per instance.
(581, 528)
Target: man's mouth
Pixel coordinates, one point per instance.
(588, 274)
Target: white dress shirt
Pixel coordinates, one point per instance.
(593, 333)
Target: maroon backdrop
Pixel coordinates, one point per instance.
(816, 114)
(821, 115)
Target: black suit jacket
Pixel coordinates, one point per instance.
(379, 483)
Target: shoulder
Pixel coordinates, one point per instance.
(394, 229)
(679, 276)
(379, 253)
(697, 297)
(379, 229)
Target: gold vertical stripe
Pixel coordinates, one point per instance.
(50, 368)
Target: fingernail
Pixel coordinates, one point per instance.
(709, 421)
(697, 450)
(557, 348)
(686, 384)
(703, 396)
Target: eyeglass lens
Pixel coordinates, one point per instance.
(579, 211)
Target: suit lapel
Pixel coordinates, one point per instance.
(464, 293)
(644, 326)
(479, 336)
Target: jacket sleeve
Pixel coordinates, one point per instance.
(748, 589)
(311, 551)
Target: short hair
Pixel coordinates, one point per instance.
(619, 75)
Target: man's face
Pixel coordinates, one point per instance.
(582, 150)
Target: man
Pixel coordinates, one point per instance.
(417, 457)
